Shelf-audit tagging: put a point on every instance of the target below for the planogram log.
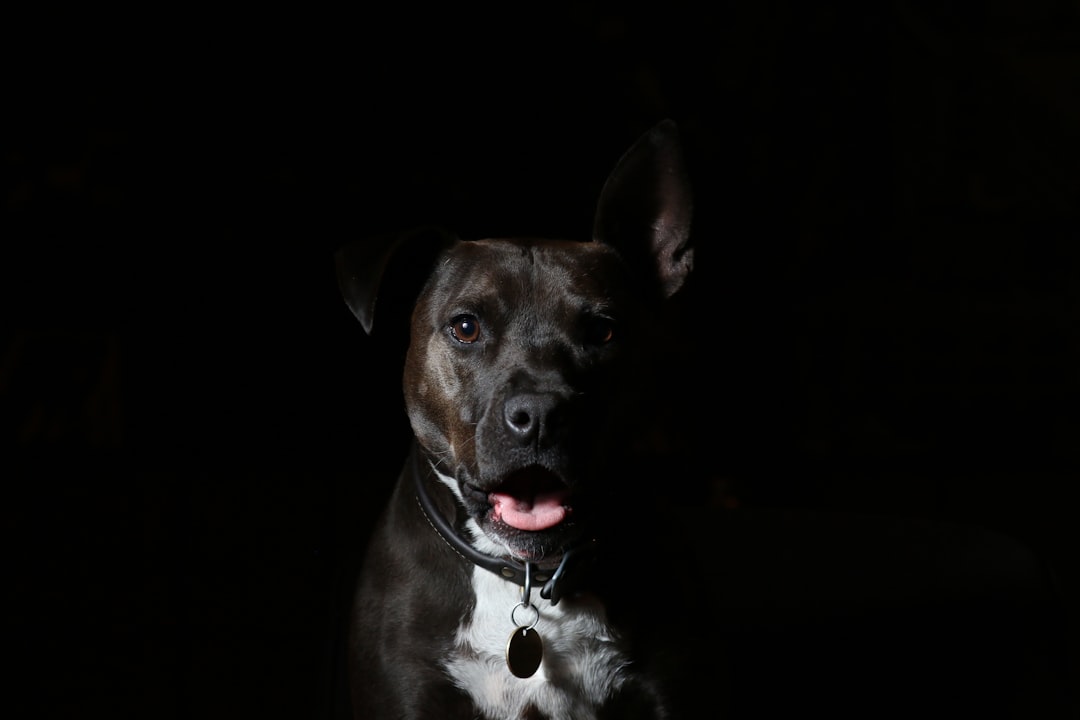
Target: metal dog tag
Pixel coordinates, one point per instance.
(524, 651)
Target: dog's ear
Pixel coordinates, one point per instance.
(387, 270)
(645, 208)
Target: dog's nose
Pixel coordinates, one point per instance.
(532, 417)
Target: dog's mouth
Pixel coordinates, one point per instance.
(530, 499)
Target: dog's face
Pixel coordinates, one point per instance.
(515, 383)
(520, 379)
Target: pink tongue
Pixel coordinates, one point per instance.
(539, 512)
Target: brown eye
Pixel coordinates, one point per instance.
(465, 329)
(599, 331)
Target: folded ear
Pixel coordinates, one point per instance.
(387, 271)
(645, 209)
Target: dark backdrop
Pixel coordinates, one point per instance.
(196, 432)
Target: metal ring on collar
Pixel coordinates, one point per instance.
(536, 618)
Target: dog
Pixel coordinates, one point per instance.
(510, 574)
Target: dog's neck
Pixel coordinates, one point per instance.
(557, 584)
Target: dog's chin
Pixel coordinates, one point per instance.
(544, 548)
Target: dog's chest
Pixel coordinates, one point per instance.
(582, 666)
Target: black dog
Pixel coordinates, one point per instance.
(495, 581)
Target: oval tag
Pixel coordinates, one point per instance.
(524, 651)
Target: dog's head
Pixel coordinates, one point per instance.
(522, 374)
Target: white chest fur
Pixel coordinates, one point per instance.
(582, 663)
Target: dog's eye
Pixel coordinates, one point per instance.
(599, 330)
(465, 329)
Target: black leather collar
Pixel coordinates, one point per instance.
(557, 584)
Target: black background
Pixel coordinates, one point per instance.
(196, 432)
